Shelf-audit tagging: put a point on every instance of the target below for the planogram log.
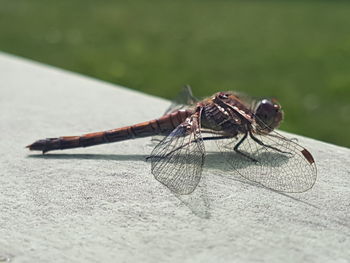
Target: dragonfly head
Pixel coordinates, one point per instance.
(268, 114)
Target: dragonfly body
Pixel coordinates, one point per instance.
(221, 115)
(161, 126)
(244, 133)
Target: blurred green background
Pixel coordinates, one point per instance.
(296, 51)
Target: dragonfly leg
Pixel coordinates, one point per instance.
(242, 153)
(215, 138)
(265, 145)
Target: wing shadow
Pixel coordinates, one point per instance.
(214, 160)
(198, 201)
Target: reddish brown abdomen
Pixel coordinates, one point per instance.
(163, 125)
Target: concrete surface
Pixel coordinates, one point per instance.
(102, 204)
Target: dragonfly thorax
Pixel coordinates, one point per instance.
(225, 112)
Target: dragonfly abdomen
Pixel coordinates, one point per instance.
(163, 125)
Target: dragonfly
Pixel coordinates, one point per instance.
(243, 129)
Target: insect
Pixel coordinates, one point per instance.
(244, 132)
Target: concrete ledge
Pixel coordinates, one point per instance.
(102, 204)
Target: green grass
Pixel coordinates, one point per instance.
(296, 51)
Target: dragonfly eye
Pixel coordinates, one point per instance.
(269, 115)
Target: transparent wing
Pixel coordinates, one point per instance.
(177, 161)
(272, 161)
(182, 100)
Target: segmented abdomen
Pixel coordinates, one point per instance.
(163, 125)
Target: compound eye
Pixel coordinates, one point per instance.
(266, 107)
(269, 113)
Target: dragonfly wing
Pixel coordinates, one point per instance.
(177, 161)
(182, 100)
(272, 161)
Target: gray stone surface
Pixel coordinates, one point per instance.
(102, 204)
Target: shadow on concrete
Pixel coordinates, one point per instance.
(107, 157)
(214, 160)
(198, 201)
